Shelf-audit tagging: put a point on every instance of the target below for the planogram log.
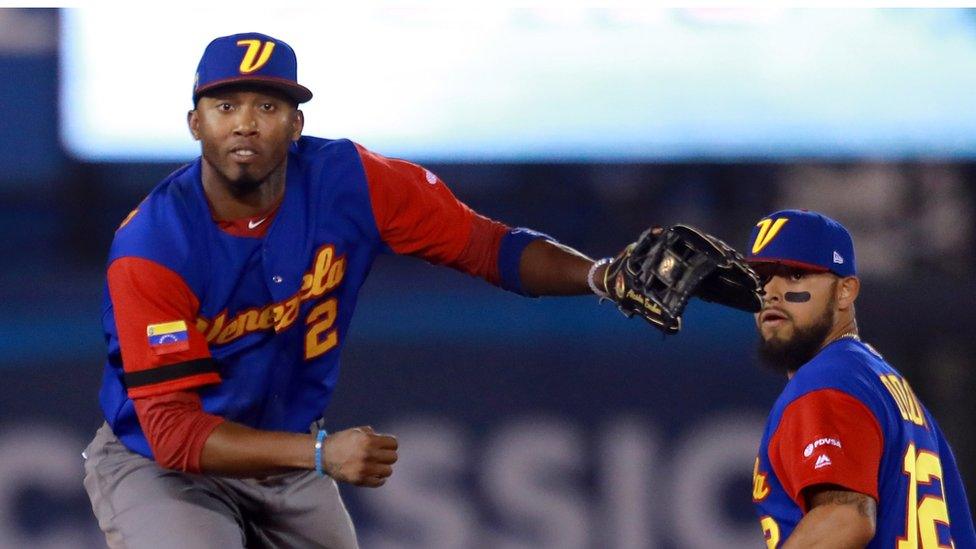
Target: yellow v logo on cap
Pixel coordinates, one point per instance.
(256, 56)
(767, 232)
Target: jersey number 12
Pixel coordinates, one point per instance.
(923, 517)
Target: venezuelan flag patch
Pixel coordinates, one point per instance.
(168, 337)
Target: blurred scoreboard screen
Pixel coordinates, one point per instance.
(551, 84)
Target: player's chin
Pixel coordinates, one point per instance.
(779, 333)
(245, 177)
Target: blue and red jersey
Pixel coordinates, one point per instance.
(848, 419)
(252, 314)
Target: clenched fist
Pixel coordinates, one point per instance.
(359, 456)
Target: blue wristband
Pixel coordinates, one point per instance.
(318, 452)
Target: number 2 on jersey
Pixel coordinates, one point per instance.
(321, 336)
(923, 518)
(770, 531)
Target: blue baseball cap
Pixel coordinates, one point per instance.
(803, 239)
(249, 58)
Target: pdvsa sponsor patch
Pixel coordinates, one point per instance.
(808, 451)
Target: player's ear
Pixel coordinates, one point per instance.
(847, 290)
(298, 124)
(193, 122)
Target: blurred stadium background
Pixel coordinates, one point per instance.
(523, 423)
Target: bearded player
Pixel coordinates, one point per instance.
(230, 290)
(849, 457)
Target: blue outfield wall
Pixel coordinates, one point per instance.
(32, 150)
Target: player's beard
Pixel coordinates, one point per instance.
(243, 180)
(787, 356)
(248, 179)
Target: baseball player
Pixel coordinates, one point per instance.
(850, 457)
(230, 289)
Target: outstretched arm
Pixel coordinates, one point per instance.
(837, 518)
(551, 268)
(416, 214)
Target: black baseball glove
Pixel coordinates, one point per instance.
(657, 275)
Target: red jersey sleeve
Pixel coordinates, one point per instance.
(827, 437)
(417, 214)
(155, 317)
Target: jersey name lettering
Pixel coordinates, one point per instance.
(759, 488)
(908, 404)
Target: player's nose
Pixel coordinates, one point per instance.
(245, 124)
(774, 290)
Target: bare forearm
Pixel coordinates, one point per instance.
(550, 268)
(358, 455)
(239, 451)
(848, 521)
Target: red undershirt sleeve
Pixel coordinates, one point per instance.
(164, 357)
(827, 437)
(176, 427)
(417, 214)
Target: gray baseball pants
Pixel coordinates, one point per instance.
(139, 504)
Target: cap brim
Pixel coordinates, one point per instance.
(789, 263)
(296, 91)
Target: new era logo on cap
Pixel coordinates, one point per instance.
(838, 259)
(249, 58)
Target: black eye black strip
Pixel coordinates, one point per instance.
(797, 297)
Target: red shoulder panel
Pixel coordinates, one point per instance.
(417, 214)
(155, 316)
(827, 437)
